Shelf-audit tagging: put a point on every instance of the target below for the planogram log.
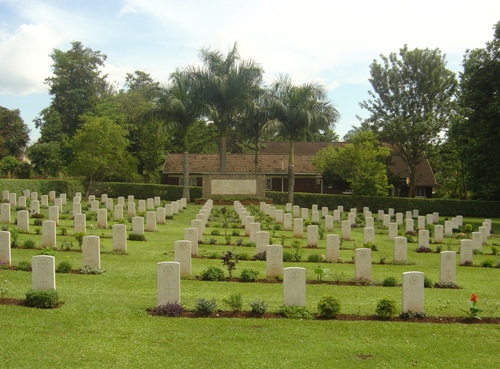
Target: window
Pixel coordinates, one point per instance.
(420, 192)
(192, 181)
(347, 192)
(269, 183)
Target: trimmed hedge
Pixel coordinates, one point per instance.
(144, 190)
(445, 207)
(43, 186)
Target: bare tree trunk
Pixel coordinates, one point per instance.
(222, 154)
(291, 177)
(185, 167)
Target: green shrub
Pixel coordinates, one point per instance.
(29, 244)
(234, 301)
(24, 266)
(295, 312)
(64, 267)
(386, 308)
(47, 251)
(314, 258)
(389, 282)
(494, 250)
(90, 269)
(42, 299)
(136, 237)
(235, 233)
(287, 256)
(212, 273)
(260, 256)
(205, 306)
(169, 309)
(215, 232)
(428, 283)
(329, 307)
(249, 275)
(487, 264)
(258, 307)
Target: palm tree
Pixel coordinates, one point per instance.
(228, 86)
(297, 109)
(179, 107)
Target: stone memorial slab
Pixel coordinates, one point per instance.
(447, 270)
(254, 228)
(363, 264)
(312, 235)
(296, 211)
(420, 222)
(288, 207)
(305, 213)
(315, 216)
(138, 225)
(423, 238)
(438, 233)
(477, 243)
(77, 208)
(466, 252)
(118, 212)
(191, 234)
(369, 222)
(352, 218)
(169, 211)
(336, 215)
(332, 247)
(386, 220)
(369, 235)
(399, 218)
(435, 217)
(102, 218)
(380, 216)
(413, 292)
(21, 201)
(23, 223)
(131, 209)
(346, 229)
(94, 206)
(141, 206)
(48, 233)
(5, 213)
(157, 201)
(151, 221)
(160, 215)
(150, 204)
(91, 251)
(168, 282)
(329, 222)
(409, 225)
(324, 211)
(43, 272)
(298, 228)
(80, 223)
(109, 204)
(287, 221)
(393, 231)
(400, 249)
(119, 237)
(429, 219)
(448, 228)
(12, 199)
(294, 286)
(34, 195)
(5, 253)
(261, 241)
(54, 214)
(121, 201)
(484, 234)
(5, 195)
(274, 261)
(44, 201)
(198, 224)
(279, 216)
(35, 207)
(58, 203)
(182, 255)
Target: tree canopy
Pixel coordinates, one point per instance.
(412, 102)
(14, 133)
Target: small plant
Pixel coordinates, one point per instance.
(229, 260)
(212, 273)
(24, 266)
(439, 248)
(14, 237)
(328, 307)
(63, 232)
(243, 256)
(173, 309)
(215, 232)
(66, 245)
(389, 282)
(37, 222)
(386, 308)
(47, 251)
(260, 256)
(487, 264)
(239, 242)
(4, 288)
(287, 256)
(205, 306)
(315, 258)
(411, 314)
(321, 272)
(473, 310)
(428, 283)
(234, 301)
(228, 240)
(42, 299)
(295, 312)
(29, 244)
(296, 250)
(258, 307)
(136, 237)
(64, 267)
(211, 241)
(452, 285)
(494, 250)
(423, 249)
(235, 233)
(249, 275)
(250, 244)
(90, 269)
(79, 238)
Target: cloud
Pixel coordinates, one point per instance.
(25, 60)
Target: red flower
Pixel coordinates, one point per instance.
(473, 298)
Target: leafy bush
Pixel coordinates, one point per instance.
(287, 256)
(295, 312)
(494, 250)
(136, 237)
(260, 256)
(249, 275)
(229, 260)
(169, 309)
(428, 283)
(66, 245)
(423, 249)
(389, 282)
(37, 216)
(239, 242)
(64, 267)
(29, 244)
(47, 251)
(386, 308)
(212, 273)
(42, 299)
(215, 232)
(258, 307)
(90, 269)
(329, 307)
(487, 264)
(38, 222)
(314, 258)
(204, 306)
(24, 266)
(235, 233)
(79, 238)
(234, 301)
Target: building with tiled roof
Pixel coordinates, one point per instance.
(273, 162)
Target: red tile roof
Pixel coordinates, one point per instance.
(273, 159)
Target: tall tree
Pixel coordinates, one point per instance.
(477, 135)
(179, 108)
(229, 86)
(412, 102)
(296, 109)
(76, 84)
(14, 133)
(100, 151)
(359, 163)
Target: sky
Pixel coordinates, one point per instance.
(327, 41)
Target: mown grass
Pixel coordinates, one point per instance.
(104, 323)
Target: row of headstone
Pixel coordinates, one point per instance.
(294, 286)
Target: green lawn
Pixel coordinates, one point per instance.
(103, 322)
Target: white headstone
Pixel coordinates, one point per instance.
(294, 286)
(400, 249)
(352, 218)
(118, 213)
(94, 206)
(393, 231)
(438, 233)
(261, 241)
(279, 216)
(332, 247)
(169, 212)
(423, 238)
(435, 217)
(160, 215)
(429, 219)
(77, 208)
(80, 223)
(43, 272)
(5, 253)
(298, 228)
(420, 222)
(91, 251)
(23, 223)
(315, 216)
(329, 222)
(287, 221)
(197, 223)
(369, 222)
(141, 206)
(386, 220)
(120, 237)
(182, 255)
(157, 201)
(35, 207)
(312, 235)
(477, 243)
(54, 214)
(254, 228)
(138, 225)
(5, 213)
(102, 218)
(363, 264)
(324, 211)
(191, 234)
(150, 204)
(346, 229)
(448, 229)
(48, 233)
(305, 213)
(369, 235)
(447, 270)
(465, 252)
(484, 234)
(399, 218)
(131, 209)
(21, 201)
(413, 292)
(151, 221)
(58, 203)
(296, 211)
(336, 215)
(168, 282)
(274, 261)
